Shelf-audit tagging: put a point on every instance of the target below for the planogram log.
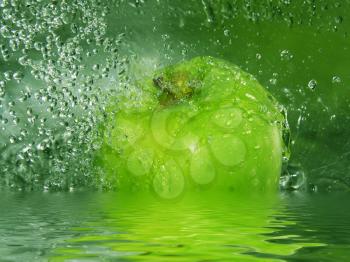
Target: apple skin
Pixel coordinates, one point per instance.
(200, 124)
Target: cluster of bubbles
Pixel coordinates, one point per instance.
(281, 10)
(57, 65)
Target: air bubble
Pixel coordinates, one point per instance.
(336, 80)
(312, 84)
(286, 55)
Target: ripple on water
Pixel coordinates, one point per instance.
(91, 225)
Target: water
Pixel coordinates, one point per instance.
(87, 226)
(60, 62)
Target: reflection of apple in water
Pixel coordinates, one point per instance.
(223, 226)
(203, 123)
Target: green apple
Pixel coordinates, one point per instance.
(201, 124)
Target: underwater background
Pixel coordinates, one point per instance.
(60, 61)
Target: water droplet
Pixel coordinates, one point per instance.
(229, 150)
(286, 55)
(312, 84)
(336, 79)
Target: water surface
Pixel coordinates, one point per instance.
(90, 226)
